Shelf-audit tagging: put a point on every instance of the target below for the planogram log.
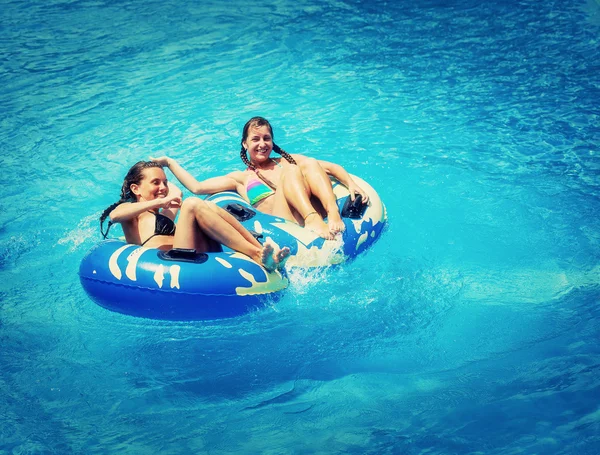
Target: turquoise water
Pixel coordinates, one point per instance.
(470, 327)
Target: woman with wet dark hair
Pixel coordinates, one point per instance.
(148, 207)
(294, 187)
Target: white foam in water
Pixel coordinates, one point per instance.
(86, 229)
(302, 281)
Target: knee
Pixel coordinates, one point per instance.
(194, 205)
(309, 165)
(291, 172)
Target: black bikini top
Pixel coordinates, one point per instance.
(163, 226)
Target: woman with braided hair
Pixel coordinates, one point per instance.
(147, 211)
(293, 187)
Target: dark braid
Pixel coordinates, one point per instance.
(134, 176)
(109, 209)
(283, 153)
(257, 122)
(245, 159)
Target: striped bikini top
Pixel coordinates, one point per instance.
(257, 189)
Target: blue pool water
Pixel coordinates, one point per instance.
(471, 327)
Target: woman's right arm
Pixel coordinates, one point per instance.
(229, 182)
(127, 211)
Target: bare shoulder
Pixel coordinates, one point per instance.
(239, 176)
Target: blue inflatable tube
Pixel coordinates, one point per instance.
(364, 226)
(179, 285)
(143, 282)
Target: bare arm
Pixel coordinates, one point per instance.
(129, 210)
(172, 209)
(229, 182)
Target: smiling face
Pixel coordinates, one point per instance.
(259, 143)
(153, 185)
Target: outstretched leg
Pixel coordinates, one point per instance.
(198, 223)
(270, 252)
(233, 221)
(297, 195)
(319, 185)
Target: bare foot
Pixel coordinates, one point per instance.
(281, 257)
(267, 258)
(314, 222)
(335, 223)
